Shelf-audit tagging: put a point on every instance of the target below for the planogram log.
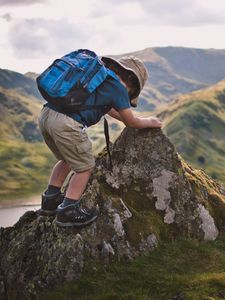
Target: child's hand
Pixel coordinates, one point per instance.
(154, 122)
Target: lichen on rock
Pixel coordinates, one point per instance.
(208, 225)
(149, 244)
(161, 191)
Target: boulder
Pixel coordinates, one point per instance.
(151, 195)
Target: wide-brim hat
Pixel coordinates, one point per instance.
(130, 64)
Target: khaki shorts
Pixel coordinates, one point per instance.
(66, 139)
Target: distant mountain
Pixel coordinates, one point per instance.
(21, 83)
(31, 75)
(205, 66)
(177, 70)
(196, 125)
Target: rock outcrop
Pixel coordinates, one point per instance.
(150, 196)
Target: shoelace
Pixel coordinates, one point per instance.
(76, 209)
(84, 212)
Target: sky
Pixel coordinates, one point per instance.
(35, 32)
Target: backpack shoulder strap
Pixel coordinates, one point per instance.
(112, 74)
(106, 132)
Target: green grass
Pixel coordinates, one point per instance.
(25, 161)
(196, 126)
(25, 168)
(193, 269)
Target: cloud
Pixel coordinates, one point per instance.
(185, 13)
(181, 13)
(7, 17)
(37, 38)
(20, 2)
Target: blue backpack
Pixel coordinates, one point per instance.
(70, 80)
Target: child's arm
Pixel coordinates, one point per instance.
(130, 120)
(113, 113)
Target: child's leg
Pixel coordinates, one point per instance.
(59, 173)
(77, 184)
(70, 213)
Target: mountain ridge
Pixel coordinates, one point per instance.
(171, 71)
(21, 83)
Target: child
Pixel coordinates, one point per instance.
(65, 135)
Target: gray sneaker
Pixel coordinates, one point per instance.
(75, 215)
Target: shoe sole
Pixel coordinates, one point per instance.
(47, 213)
(70, 224)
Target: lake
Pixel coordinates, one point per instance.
(12, 210)
(10, 215)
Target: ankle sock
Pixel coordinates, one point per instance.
(52, 190)
(69, 201)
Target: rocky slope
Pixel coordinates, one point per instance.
(150, 196)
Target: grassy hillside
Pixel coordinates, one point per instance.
(179, 270)
(25, 161)
(196, 124)
(24, 168)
